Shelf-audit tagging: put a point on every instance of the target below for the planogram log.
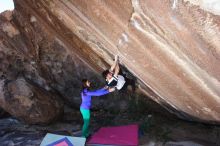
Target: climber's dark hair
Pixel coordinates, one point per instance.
(105, 73)
(84, 85)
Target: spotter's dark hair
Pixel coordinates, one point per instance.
(84, 85)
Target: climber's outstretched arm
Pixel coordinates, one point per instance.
(117, 69)
(114, 64)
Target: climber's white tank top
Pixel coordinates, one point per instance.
(120, 81)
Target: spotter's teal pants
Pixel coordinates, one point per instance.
(86, 119)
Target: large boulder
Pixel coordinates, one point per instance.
(172, 47)
(28, 102)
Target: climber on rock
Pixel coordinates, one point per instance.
(86, 95)
(114, 79)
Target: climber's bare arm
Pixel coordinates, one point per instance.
(117, 69)
(114, 64)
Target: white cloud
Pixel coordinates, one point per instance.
(6, 5)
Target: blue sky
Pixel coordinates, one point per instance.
(6, 5)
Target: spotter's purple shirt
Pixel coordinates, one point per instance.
(86, 97)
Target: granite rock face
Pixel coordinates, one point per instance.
(172, 47)
(29, 103)
(27, 50)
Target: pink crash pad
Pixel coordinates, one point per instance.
(120, 135)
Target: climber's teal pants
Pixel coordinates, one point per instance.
(86, 119)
